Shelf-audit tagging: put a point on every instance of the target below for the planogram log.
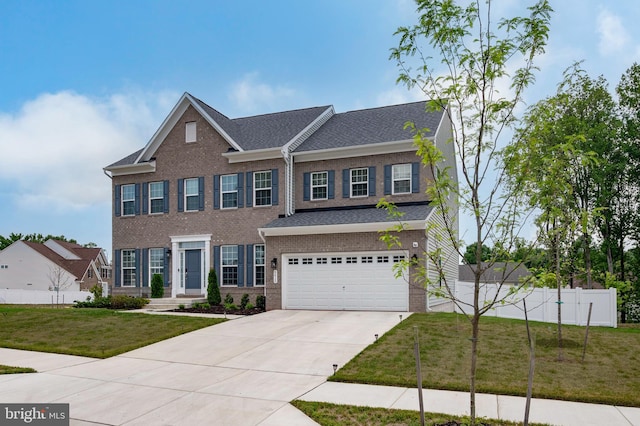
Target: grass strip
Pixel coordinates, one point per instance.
(6, 369)
(340, 415)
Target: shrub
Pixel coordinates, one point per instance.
(96, 290)
(249, 306)
(230, 307)
(228, 299)
(199, 305)
(157, 286)
(181, 306)
(213, 289)
(261, 302)
(244, 301)
(120, 301)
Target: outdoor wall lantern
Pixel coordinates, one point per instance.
(414, 257)
(274, 263)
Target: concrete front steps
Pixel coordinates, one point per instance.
(169, 303)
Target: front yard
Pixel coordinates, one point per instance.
(97, 333)
(610, 373)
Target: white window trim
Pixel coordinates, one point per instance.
(256, 189)
(190, 132)
(156, 198)
(263, 265)
(122, 268)
(222, 192)
(222, 266)
(186, 195)
(326, 186)
(394, 180)
(151, 266)
(352, 183)
(132, 200)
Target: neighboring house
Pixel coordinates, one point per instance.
(43, 266)
(279, 204)
(501, 272)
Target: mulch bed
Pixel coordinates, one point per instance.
(219, 309)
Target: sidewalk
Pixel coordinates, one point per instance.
(561, 413)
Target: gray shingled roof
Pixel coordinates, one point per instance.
(368, 126)
(129, 159)
(348, 216)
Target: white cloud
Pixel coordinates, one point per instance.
(251, 95)
(54, 148)
(613, 36)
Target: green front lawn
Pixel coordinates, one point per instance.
(610, 373)
(97, 333)
(339, 415)
(5, 369)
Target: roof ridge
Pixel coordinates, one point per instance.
(281, 112)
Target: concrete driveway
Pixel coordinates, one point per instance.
(244, 371)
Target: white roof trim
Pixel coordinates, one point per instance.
(172, 119)
(344, 228)
(355, 151)
(253, 155)
(131, 169)
(309, 130)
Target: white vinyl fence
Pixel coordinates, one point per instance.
(542, 304)
(41, 297)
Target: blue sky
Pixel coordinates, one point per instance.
(84, 83)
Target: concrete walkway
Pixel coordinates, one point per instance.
(246, 371)
(502, 407)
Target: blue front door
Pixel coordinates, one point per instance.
(193, 272)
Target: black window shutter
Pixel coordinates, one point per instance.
(145, 198)
(137, 199)
(415, 177)
(249, 265)
(306, 180)
(145, 267)
(216, 191)
(240, 190)
(387, 179)
(166, 197)
(240, 266)
(249, 189)
(117, 200)
(138, 267)
(346, 183)
(274, 187)
(165, 267)
(201, 193)
(117, 272)
(331, 177)
(372, 181)
(216, 262)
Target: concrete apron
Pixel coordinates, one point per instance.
(243, 371)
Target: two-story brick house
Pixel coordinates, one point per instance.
(279, 204)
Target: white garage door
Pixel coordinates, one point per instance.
(359, 281)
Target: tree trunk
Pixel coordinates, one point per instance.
(587, 259)
(559, 285)
(475, 322)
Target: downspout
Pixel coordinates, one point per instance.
(288, 177)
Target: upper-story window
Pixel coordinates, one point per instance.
(319, 185)
(401, 178)
(190, 131)
(191, 194)
(229, 193)
(156, 197)
(359, 182)
(128, 200)
(262, 188)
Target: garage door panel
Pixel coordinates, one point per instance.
(344, 281)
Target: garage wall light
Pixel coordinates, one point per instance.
(274, 263)
(414, 257)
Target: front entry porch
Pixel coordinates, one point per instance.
(191, 259)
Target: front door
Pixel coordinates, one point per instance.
(192, 272)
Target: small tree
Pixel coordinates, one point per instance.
(59, 279)
(157, 286)
(213, 289)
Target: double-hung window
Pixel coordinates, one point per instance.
(259, 256)
(229, 193)
(262, 188)
(128, 268)
(128, 200)
(156, 263)
(319, 185)
(401, 178)
(156, 197)
(191, 194)
(229, 265)
(359, 182)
